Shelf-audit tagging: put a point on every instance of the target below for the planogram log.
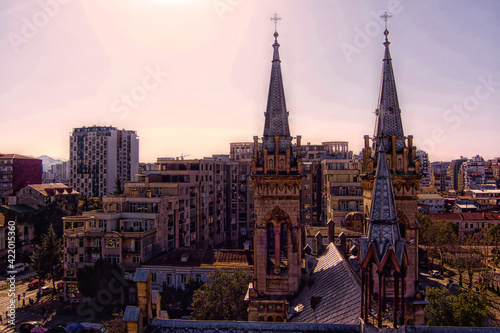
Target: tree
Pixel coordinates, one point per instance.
(92, 279)
(180, 298)
(47, 257)
(115, 325)
(440, 235)
(465, 309)
(118, 186)
(49, 214)
(223, 298)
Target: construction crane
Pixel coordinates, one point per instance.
(182, 156)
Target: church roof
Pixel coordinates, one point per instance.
(335, 295)
(388, 113)
(276, 115)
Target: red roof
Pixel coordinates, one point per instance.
(16, 156)
(445, 216)
(472, 216)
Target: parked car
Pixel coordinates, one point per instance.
(46, 290)
(27, 326)
(60, 285)
(19, 268)
(34, 284)
(436, 273)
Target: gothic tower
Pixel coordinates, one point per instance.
(404, 166)
(276, 180)
(383, 251)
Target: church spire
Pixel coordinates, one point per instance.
(383, 225)
(388, 113)
(276, 115)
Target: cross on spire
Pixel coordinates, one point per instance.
(386, 16)
(275, 18)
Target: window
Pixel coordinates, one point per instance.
(80, 242)
(168, 279)
(80, 258)
(270, 247)
(136, 259)
(153, 277)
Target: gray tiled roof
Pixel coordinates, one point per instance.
(336, 289)
(131, 313)
(141, 275)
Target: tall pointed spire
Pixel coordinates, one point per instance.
(383, 220)
(276, 122)
(388, 113)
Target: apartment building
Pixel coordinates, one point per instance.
(18, 171)
(99, 155)
(40, 194)
(471, 174)
(240, 218)
(182, 204)
(453, 172)
(342, 192)
(431, 202)
(425, 169)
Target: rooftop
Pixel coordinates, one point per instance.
(334, 287)
(201, 258)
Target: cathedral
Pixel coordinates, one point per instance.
(290, 286)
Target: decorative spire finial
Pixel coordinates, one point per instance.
(275, 19)
(386, 16)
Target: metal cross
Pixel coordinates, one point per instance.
(386, 16)
(275, 18)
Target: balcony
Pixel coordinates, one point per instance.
(129, 250)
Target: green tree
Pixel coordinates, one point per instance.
(49, 214)
(465, 309)
(118, 186)
(115, 325)
(223, 298)
(47, 257)
(92, 279)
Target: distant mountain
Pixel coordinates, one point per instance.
(48, 161)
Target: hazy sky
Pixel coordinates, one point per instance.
(191, 76)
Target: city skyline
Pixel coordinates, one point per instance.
(192, 76)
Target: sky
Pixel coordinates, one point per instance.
(191, 76)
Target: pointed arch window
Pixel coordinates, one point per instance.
(284, 248)
(270, 248)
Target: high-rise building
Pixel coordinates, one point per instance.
(471, 174)
(99, 155)
(453, 172)
(425, 170)
(18, 171)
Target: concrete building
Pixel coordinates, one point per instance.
(239, 151)
(453, 173)
(174, 268)
(99, 155)
(431, 203)
(472, 173)
(342, 192)
(425, 169)
(18, 171)
(180, 205)
(40, 194)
